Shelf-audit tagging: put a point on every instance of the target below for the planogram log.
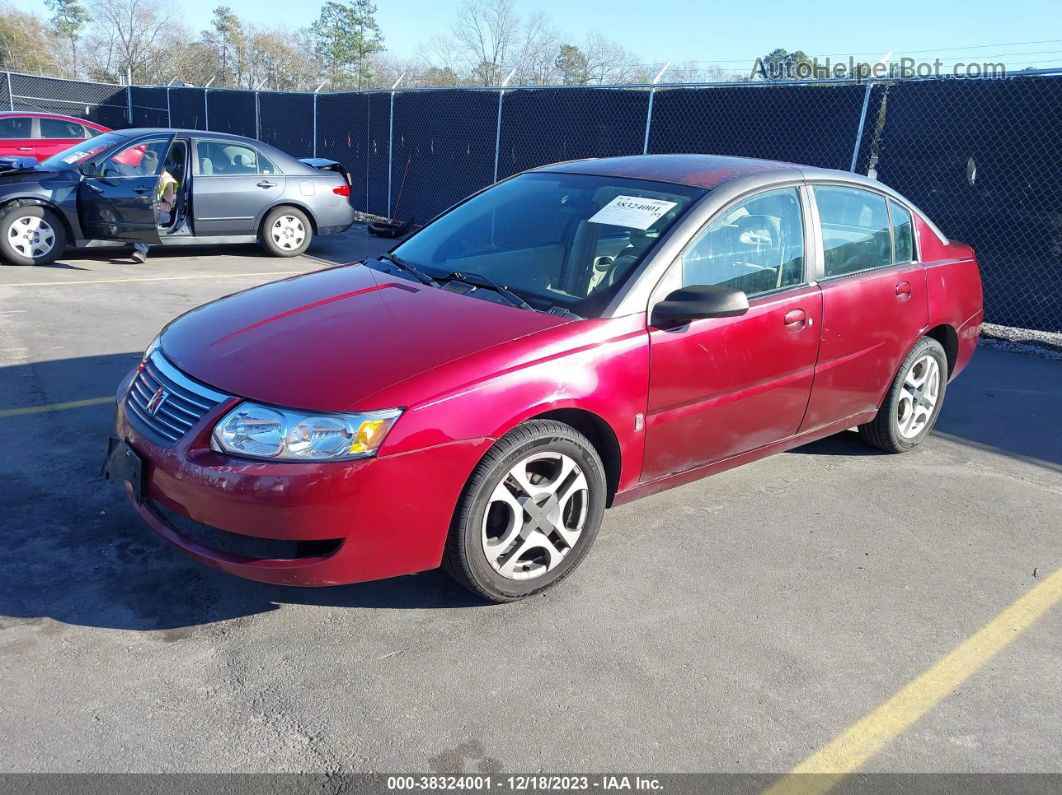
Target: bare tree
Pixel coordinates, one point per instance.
(126, 38)
(487, 31)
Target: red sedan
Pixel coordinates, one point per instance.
(42, 135)
(572, 338)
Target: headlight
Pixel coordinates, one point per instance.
(255, 431)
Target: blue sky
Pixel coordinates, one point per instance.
(736, 31)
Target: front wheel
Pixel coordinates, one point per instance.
(529, 513)
(912, 405)
(31, 235)
(286, 232)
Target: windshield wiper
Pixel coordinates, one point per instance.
(409, 268)
(488, 283)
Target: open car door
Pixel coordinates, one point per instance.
(118, 198)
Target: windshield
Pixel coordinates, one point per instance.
(556, 240)
(83, 151)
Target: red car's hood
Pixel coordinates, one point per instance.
(331, 339)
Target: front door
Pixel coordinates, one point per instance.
(233, 184)
(120, 200)
(874, 303)
(722, 386)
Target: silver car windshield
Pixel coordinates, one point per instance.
(564, 240)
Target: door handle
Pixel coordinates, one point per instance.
(25, 149)
(796, 319)
(265, 183)
(903, 291)
(140, 189)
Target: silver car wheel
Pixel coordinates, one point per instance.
(919, 397)
(535, 516)
(31, 236)
(288, 232)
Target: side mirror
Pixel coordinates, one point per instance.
(87, 169)
(700, 301)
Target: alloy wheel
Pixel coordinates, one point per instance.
(535, 515)
(919, 397)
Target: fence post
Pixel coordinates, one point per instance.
(497, 127)
(862, 121)
(649, 111)
(169, 113)
(206, 108)
(10, 96)
(257, 119)
(129, 103)
(315, 92)
(391, 140)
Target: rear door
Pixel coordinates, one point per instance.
(55, 135)
(874, 302)
(120, 202)
(722, 386)
(233, 182)
(16, 136)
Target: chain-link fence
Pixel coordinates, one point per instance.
(982, 157)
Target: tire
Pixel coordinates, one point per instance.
(496, 547)
(31, 235)
(286, 232)
(923, 373)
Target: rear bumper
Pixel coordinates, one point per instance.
(355, 521)
(969, 333)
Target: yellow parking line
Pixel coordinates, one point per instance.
(70, 404)
(152, 279)
(848, 752)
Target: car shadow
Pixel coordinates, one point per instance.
(846, 443)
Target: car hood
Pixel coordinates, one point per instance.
(329, 340)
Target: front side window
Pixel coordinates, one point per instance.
(225, 158)
(902, 233)
(142, 159)
(755, 246)
(855, 229)
(58, 128)
(567, 240)
(16, 127)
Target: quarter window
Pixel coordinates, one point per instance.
(755, 246)
(902, 233)
(855, 229)
(16, 127)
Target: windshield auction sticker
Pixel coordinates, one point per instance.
(632, 211)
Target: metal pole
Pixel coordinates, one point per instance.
(649, 110)
(206, 107)
(10, 96)
(862, 122)
(169, 112)
(315, 91)
(129, 104)
(390, 141)
(497, 128)
(257, 118)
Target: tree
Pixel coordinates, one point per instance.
(226, 37)
(572, 65)
(26, 45)
(781, 65)
(69, 17)
(486, 30)
(345, 37)
(128, 39)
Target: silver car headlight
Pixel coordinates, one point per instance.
(254, 431)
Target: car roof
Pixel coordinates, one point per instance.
(136, 131)
(43, 115)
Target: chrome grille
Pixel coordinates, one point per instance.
(165, 401)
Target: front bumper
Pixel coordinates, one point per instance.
(354, 521)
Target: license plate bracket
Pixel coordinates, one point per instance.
(123, 463)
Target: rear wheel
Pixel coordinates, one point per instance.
(31, 235)
(286, 232)
(912, 405)
(529, 514)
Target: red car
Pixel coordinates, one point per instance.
(572, 338)
(42, 135)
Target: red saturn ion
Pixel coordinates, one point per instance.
(572, 338)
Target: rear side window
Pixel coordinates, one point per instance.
(57, 128)
(902, 233)
(228, 158)
(855, 229)
(16, 127)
